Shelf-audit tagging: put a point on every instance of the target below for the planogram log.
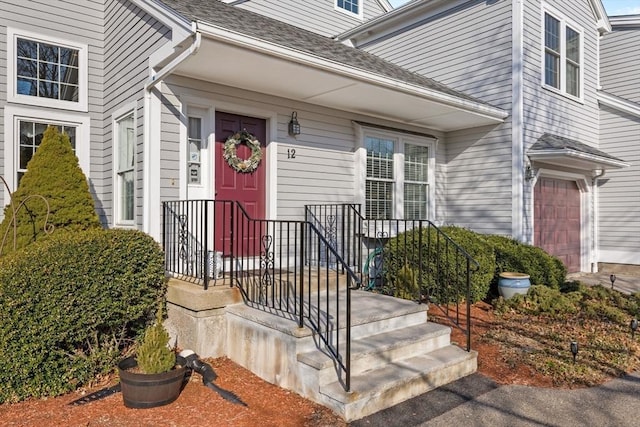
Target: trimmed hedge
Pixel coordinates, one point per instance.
(431, 262)
(69, 303)
(511, 255)
(418, 264)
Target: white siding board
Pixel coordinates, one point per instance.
(474, 57)
(619, 208)
(620, 71)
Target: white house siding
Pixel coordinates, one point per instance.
(315, 176)
(478, 191)
(620, 59)
(318, 16)
(80, 22)
(131, 37)
(619, 212)
(468, 49)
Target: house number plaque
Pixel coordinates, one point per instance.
(291, 153)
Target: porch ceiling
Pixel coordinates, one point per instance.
(301, 77)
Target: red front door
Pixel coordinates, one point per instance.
(246, 188)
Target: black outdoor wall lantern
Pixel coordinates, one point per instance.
(294, 126)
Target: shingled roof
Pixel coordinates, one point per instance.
(561, 144)
(233, 19)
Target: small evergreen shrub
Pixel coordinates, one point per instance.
(70, 303)
(53, 173)
(154, 355)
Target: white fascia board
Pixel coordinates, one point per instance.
(602, 19)
(542, 155)
(306, 59)
(619, 104)
(385, 5)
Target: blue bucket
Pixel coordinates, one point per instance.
(510, 284)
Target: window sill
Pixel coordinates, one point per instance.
(579, 100)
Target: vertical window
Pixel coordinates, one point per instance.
(380, 182)
(195, 147)
(31, 134)
(125, 134)
(416, 181)
(552, 51)
(562, 56)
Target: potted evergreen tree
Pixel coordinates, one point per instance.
(155, 375)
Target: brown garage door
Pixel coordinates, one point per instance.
(557, 220)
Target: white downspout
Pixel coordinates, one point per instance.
(151, 155)
(594, 228)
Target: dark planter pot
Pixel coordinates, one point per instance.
(150, 390)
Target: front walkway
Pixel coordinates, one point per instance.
(625, 282)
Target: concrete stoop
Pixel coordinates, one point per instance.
(395, 355)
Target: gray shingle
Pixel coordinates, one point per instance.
(245, 22)
(554, 142)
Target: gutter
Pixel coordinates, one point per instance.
(150, 157)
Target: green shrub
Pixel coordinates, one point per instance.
(511, 255)
(69, 303)
(440, 271)
(154, 355)
(542, 299)
(54, 174)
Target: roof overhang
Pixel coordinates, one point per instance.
(237, 60)
(574, 159)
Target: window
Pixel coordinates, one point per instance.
(562, 56)
(125, 134)
(380, 182)
(416, 181)
(46, 71)
(350, 6)
(398, 171)
(194, 136)
(31, 134)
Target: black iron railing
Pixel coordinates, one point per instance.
(198, 237)
(267, 260)
(410, 259)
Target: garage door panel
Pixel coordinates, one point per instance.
(557, 220)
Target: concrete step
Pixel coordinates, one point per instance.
(377, 389)
(375, 351)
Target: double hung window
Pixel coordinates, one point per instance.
(398, 179)
(562, 56)
(125, 167)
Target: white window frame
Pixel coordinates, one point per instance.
(129, 110)
(400, 140)
(358, 15)
(564, 23)
(13, 114)
(12, 95)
